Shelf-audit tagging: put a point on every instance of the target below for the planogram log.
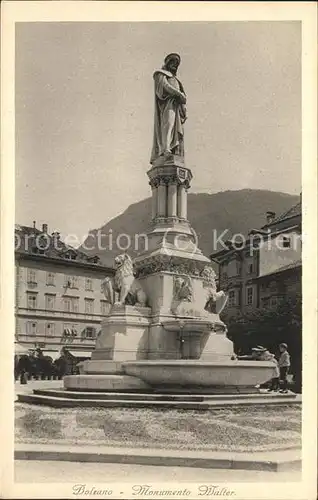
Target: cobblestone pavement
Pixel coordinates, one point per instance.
(54, 471)
(36, 384)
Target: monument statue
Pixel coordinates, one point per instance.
(170, 110)
(124, 284)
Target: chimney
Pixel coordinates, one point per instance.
(34, 224)
(270, 216)
(56, 238)
(44, 228)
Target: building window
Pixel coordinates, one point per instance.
(89, 284)
(32, 300)
(231, 298)
(273, 286)
(69, 333)
(70, 281)
(90, 332)
(67, 328)
(67, 281)
(71, 304)
(70, 255)
(49, 302)
(75, 304)
(286, 242)
(89, 306)
(250, 269)
(224, 276)
(67, 304)
(49, 328)
(31, 279)
(104, 307)
(265, 301)
(273, 301)
(249, 295)
(50, 279)
(74, 282)
(31, 327)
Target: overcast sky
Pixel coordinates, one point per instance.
(84, 113)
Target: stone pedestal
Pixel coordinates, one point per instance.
(174, 344)
(217, 347)
(123, 337)
(104, 383)
(124, 334)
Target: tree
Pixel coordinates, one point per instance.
(269, 327)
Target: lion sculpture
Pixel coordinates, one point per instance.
(124, 284)
(215, 301)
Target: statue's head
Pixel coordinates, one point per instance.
(172, 62)
(123, 259)
(208, 275)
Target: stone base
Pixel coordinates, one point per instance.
(59, 398)
(104, 383)
(210, 390)
(169, 160)
(124, 334)
(217, 347)
(102, 367)
(196, 373)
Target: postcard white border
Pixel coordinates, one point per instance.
(85, 11)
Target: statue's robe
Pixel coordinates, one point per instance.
(170, 115)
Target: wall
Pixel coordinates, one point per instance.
(58, 316)
(274, 256)
(279, 286)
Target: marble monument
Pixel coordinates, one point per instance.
(163, 331)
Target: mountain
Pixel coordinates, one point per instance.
(209, 215)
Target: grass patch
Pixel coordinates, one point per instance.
(271, 425)
(224, 429)
(35, 425)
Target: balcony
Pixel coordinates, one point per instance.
(32, 284)
(57, 340)
(63, 315)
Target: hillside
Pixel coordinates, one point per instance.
(209, 214)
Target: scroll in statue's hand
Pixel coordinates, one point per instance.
(182, 99)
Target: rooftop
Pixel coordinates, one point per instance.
(281, 269)
(294, 211)
(33, 242)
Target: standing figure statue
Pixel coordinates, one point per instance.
(170, 110)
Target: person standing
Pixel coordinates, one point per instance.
(274, 386)
(284, 365)
(23, 369)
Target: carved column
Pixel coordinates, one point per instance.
(154, 200)
(162, 190)
(182, 201)
(172, 200)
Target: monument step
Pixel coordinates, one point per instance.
(142, 396)
(70, 402)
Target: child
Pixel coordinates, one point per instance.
(284, 365)
(275, 380)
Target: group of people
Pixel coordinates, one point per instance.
(36, 365)
(282, 365)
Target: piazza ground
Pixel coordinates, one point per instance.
(241, 430)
